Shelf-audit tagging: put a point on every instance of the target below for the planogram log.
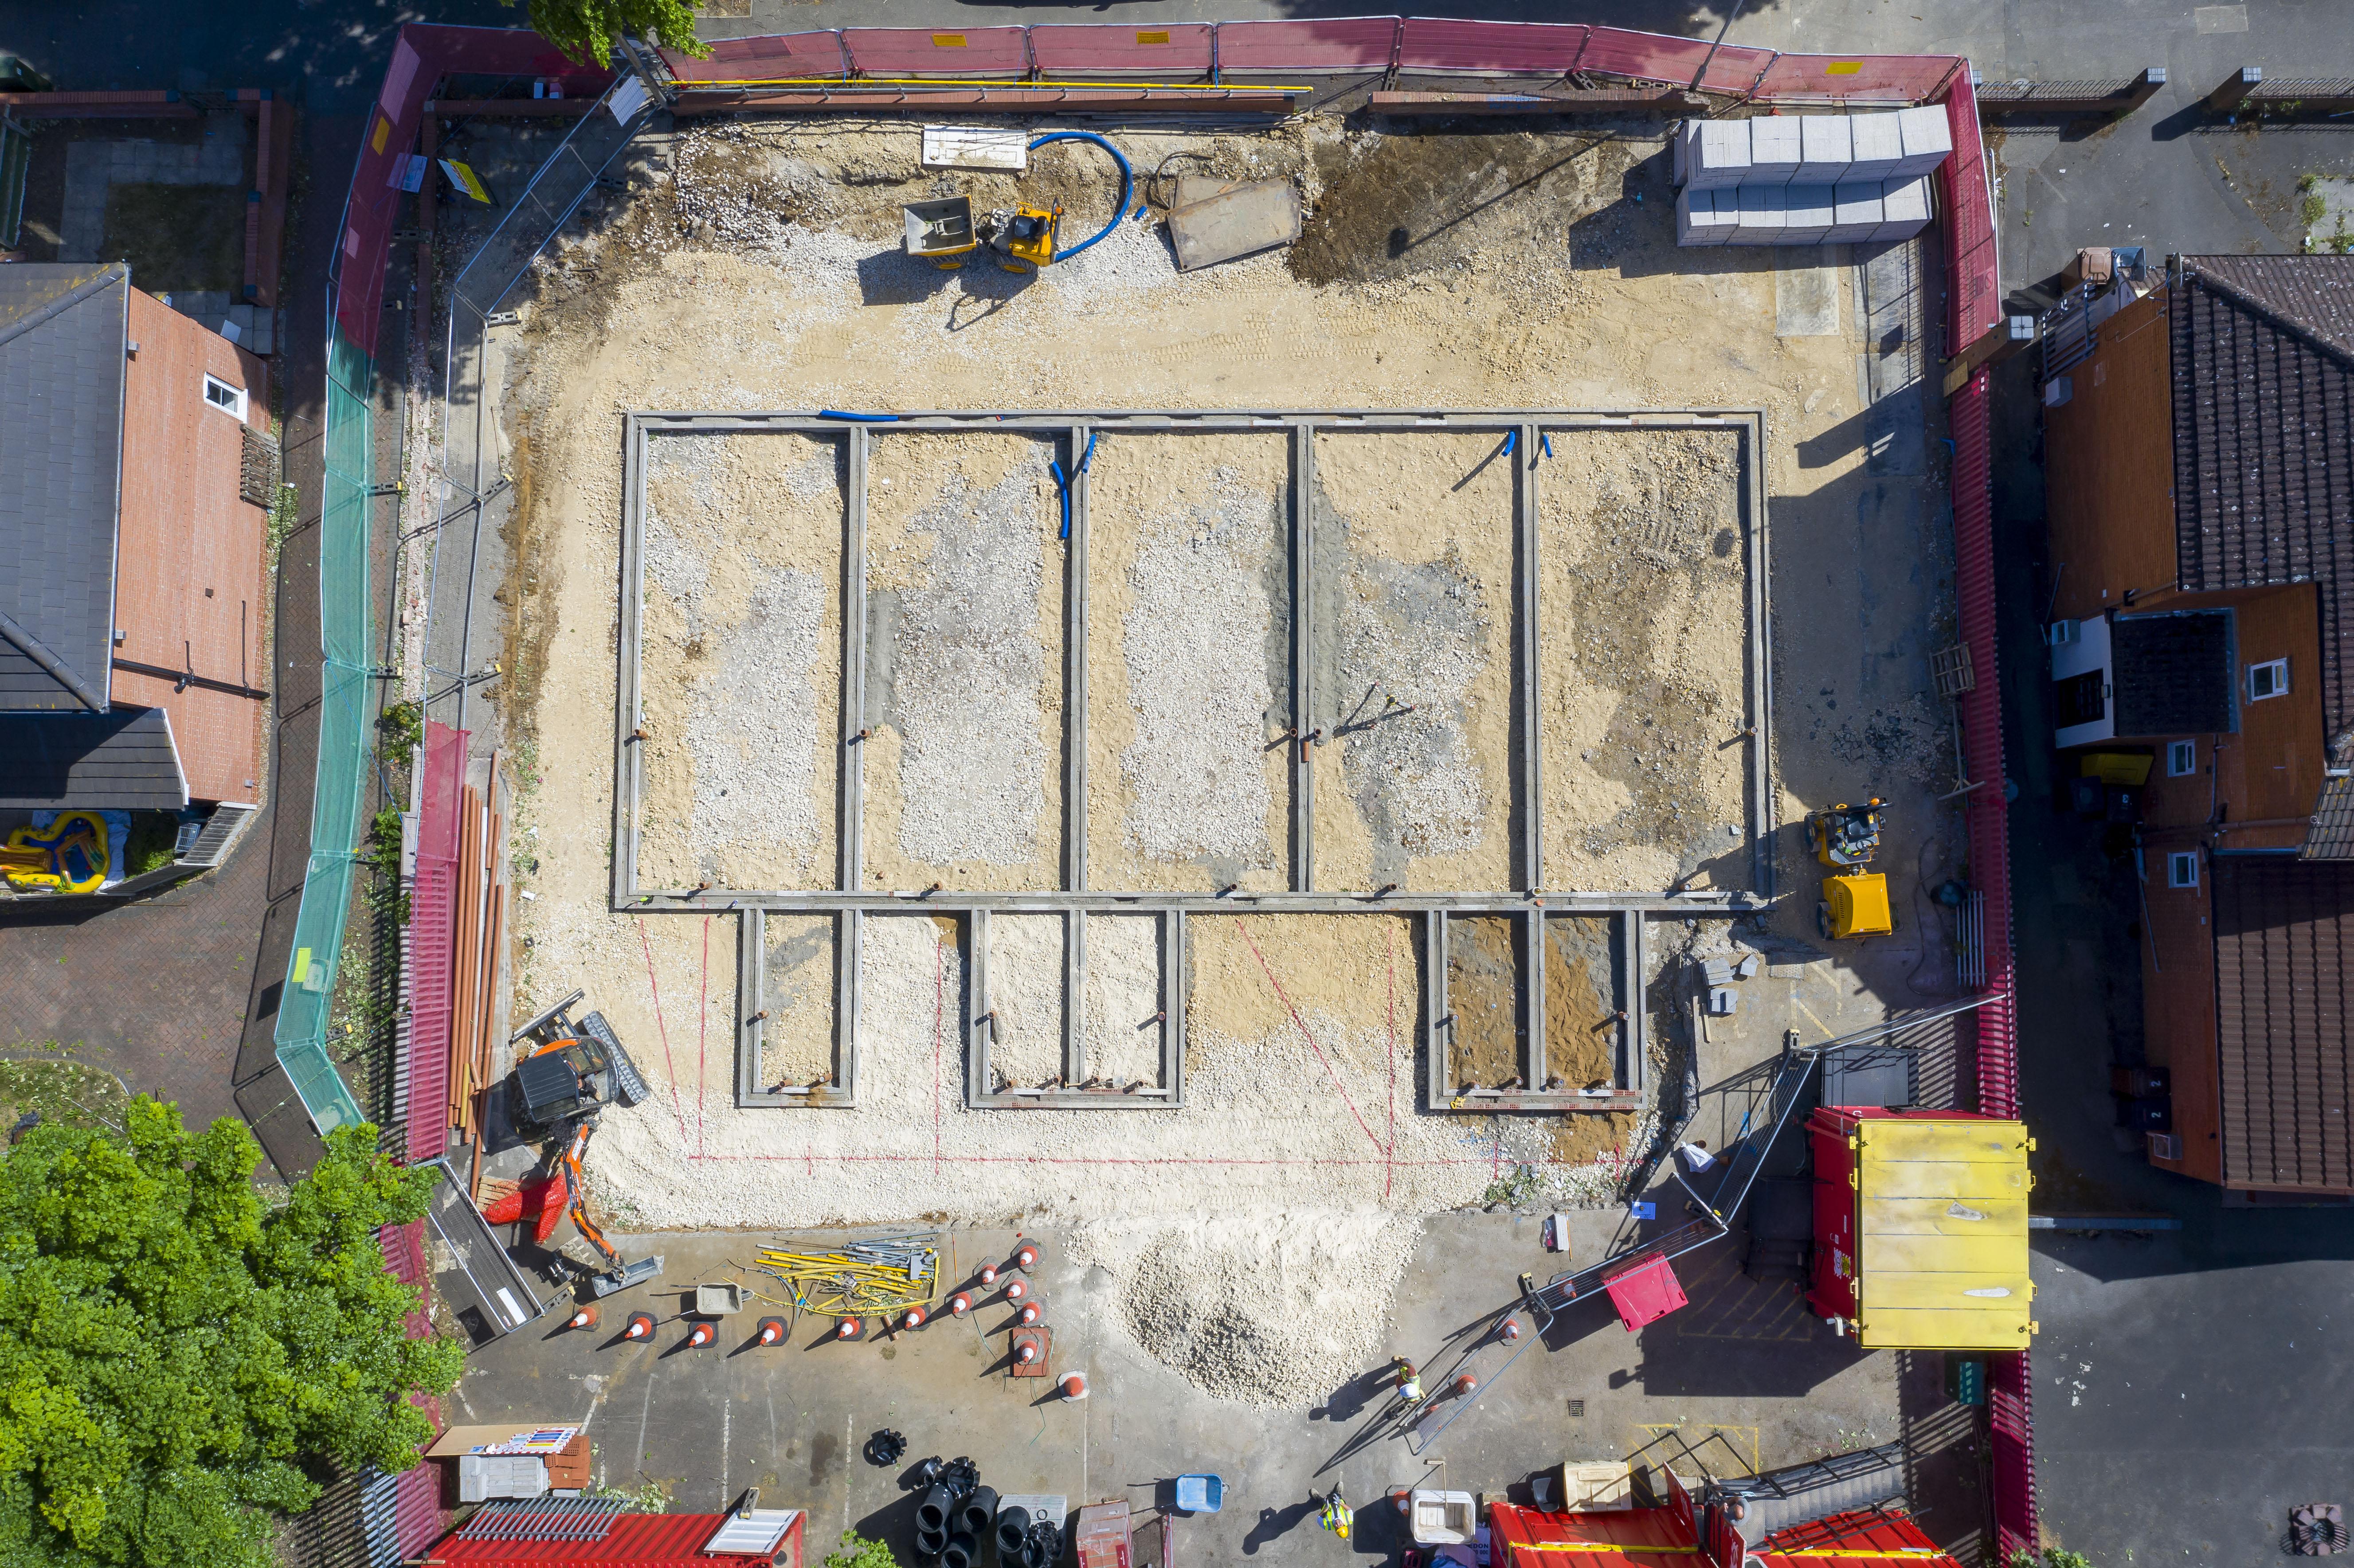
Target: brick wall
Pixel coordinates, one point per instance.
(189, 584)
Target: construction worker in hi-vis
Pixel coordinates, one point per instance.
(1409, 1381)
(1336, 1515)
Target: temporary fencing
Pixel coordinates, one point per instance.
(1387, 47)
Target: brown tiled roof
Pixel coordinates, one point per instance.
(2264, 437)
(2284, 994)
(2331, 837)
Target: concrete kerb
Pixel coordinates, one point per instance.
(1529, 431)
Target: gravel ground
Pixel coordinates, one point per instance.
(797, 1037)
(1123, 999)
(1025, 988)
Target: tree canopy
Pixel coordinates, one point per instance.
(178, 1356)
(588, 30)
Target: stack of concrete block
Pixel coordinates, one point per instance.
(1808, 179)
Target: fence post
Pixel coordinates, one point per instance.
(2235, 88)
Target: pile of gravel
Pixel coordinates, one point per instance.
(1276, 1309)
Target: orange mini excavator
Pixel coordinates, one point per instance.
(562, 1086)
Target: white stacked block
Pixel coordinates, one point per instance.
(1926, 138)
(1705, 216)
(1775, 152)
(1905, 208)
(1856, 212)
(1713, 154)
(1825, 149)
(1877, 144)
(1806, 214)
(1760, 221)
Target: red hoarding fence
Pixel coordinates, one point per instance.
(1860, 79)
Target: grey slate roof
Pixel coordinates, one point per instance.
(2264, 438)
(2331, 837)
(62, 327)
(122, 759)
(2173, 673)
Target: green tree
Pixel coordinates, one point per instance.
(860, 1551)
(178, 1357)
(588, 30)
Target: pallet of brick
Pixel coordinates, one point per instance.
(1775, 150)
(1876, 145)
(1825, 150)
(1711, 154)
(1705, 217)
(1806, 214)
(1856, 211)
(1760, 216)
(1905, 208)
(1926, 139)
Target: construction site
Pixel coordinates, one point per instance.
(1303, 787)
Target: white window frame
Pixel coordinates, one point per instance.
(2182, 869)
(2278, 670)
(2181, 759)
(236, 395)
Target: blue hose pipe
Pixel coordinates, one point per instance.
(1127, 183)
(858, 418)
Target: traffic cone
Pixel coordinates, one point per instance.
(1075, 1385)
(701, 1335)
(642, 1326)
(960, 1303)
(1511, 1330)
(988, 1274)
(1026, 1351)
(1017, 1289)
(1026, 1256)
(916, 1319)
(1028, 1314)
(1466, 1383)
(773, 1330)
(586, 1318)
(850, 1329)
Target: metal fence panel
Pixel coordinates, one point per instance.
(925, 51)
(1166, 52)
(1340, 43)
(1876, 78)
(779, 56)
(1474, 48)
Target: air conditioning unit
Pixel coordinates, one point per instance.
(2164, 1145)
(2061, 633)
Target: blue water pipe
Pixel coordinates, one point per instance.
(1127, 186)
(858, 418)
(1062, 481)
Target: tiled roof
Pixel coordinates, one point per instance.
(123, 759)
(2264, 437)
(2285, 1019)
(2331, 837)
(61, 375)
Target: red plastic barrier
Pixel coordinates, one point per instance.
(1340, 43)
(1833, 79)
(1676, 62)
(780, 57)
(923, 51)
(1165, 53)
(1482, 49)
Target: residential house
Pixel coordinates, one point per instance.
(135, 479)
(2200, 465)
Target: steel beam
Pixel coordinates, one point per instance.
(850, 752)
(1303, 599)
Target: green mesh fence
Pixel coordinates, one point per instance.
(343, 751)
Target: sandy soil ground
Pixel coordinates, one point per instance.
(753, 267)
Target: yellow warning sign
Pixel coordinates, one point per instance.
(463, 176)
(1843, 68)
(1152, 37)
(948, 40)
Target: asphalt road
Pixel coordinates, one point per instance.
(2183, 1399)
